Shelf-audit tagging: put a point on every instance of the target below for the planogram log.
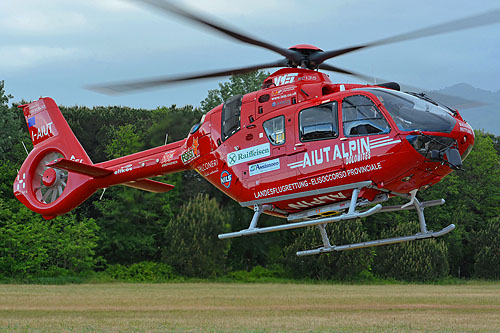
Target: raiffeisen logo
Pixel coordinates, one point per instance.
(248, 154)
(351, 151)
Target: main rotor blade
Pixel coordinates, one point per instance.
(335, 69)
(169, 7)
(490, 17)
(445, 99)
(124, 87)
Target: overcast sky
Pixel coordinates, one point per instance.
(56, 47)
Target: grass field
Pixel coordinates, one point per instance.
(250, 307)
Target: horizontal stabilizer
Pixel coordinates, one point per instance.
(150, 185)
(81, 168)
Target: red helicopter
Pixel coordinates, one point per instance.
(302, 148)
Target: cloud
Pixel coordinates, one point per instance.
(20, 57)
(28, 18)
(111, 5)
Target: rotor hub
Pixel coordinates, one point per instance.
(305, 47)
(49, 177)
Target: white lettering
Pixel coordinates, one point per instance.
(352, 147)
(281, 189)
(43, 131)
(344, 154)
(248, 154)
(319, 160)
(336, 153)
(73, 158)
(327, 150)
(307, 161)
(285, 79)
(125, 168)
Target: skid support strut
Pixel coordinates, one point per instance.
(258, 209)
(423, 234)
(351, 214)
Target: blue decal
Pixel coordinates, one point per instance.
(225, 179)
(31, 122)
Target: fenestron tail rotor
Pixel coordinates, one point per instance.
(49, 183)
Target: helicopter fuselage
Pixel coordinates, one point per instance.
(300, 142)
(276, 150)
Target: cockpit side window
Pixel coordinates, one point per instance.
(411, 112)
(231, 116)
(275, 130)
(319, 122)
(360, 116)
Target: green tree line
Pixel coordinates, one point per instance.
(132, 232)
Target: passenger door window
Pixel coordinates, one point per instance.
(319, 122)
(360, 116)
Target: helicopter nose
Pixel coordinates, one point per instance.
(465, 139)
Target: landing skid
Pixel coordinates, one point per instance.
(329, 248)
(352, 213)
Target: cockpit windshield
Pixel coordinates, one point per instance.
(411, 113)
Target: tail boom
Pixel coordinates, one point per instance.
(58, 175)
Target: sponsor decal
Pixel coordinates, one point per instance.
(225, 178)
(191, 153)
(350, 151)
(284, 96)
(466, 127)
(281, 91)
(73, 158)
(169, 163)
(188, 156)
(167, 156)
(281, 103)
(125, 168)
(262, 167)
(35, 108)
(31, 122)
(195, 146)
(248, 154)
(285, 79)
(318, 201)
(166, 159)
(208, 168)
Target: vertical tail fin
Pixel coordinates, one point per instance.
(47, 127)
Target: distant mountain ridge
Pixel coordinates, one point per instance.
(479, 107)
